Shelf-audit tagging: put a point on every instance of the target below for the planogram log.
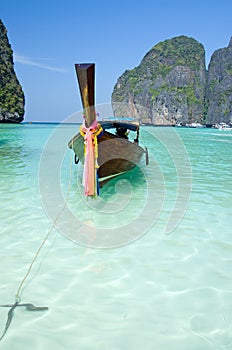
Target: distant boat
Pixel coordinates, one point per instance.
(114, 153)
(223, 126)
(195, 125)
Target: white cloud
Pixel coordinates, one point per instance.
(35, 62)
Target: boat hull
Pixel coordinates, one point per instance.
(116, 155)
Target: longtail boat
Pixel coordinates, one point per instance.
(104, 154)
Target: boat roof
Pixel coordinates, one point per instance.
(110, 124)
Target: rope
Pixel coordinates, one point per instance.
(18, 295)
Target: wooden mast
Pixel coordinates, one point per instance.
(86, 79)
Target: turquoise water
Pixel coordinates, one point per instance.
(146, 266)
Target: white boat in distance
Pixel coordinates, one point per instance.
(223, 126)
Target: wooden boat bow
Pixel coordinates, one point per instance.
(86, 79)
(104, 154)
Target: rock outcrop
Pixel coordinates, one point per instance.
(218, 97)
(12, 98)
(171, 85)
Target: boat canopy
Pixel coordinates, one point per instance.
(110, 124)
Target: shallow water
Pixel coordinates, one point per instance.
(147, 265)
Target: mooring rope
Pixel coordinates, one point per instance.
(18, 295)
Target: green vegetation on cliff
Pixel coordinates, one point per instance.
(12, 99)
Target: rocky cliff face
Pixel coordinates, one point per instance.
(168, 85)
(219, 86)
(171, 85)
(12, 99)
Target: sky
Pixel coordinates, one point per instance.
(49, 36)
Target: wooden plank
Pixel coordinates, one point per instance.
(86, 79)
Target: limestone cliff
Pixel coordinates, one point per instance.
(171, 85)
(12, 99)
(219, 86)
(168, 85)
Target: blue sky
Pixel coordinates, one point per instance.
(49, 36)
